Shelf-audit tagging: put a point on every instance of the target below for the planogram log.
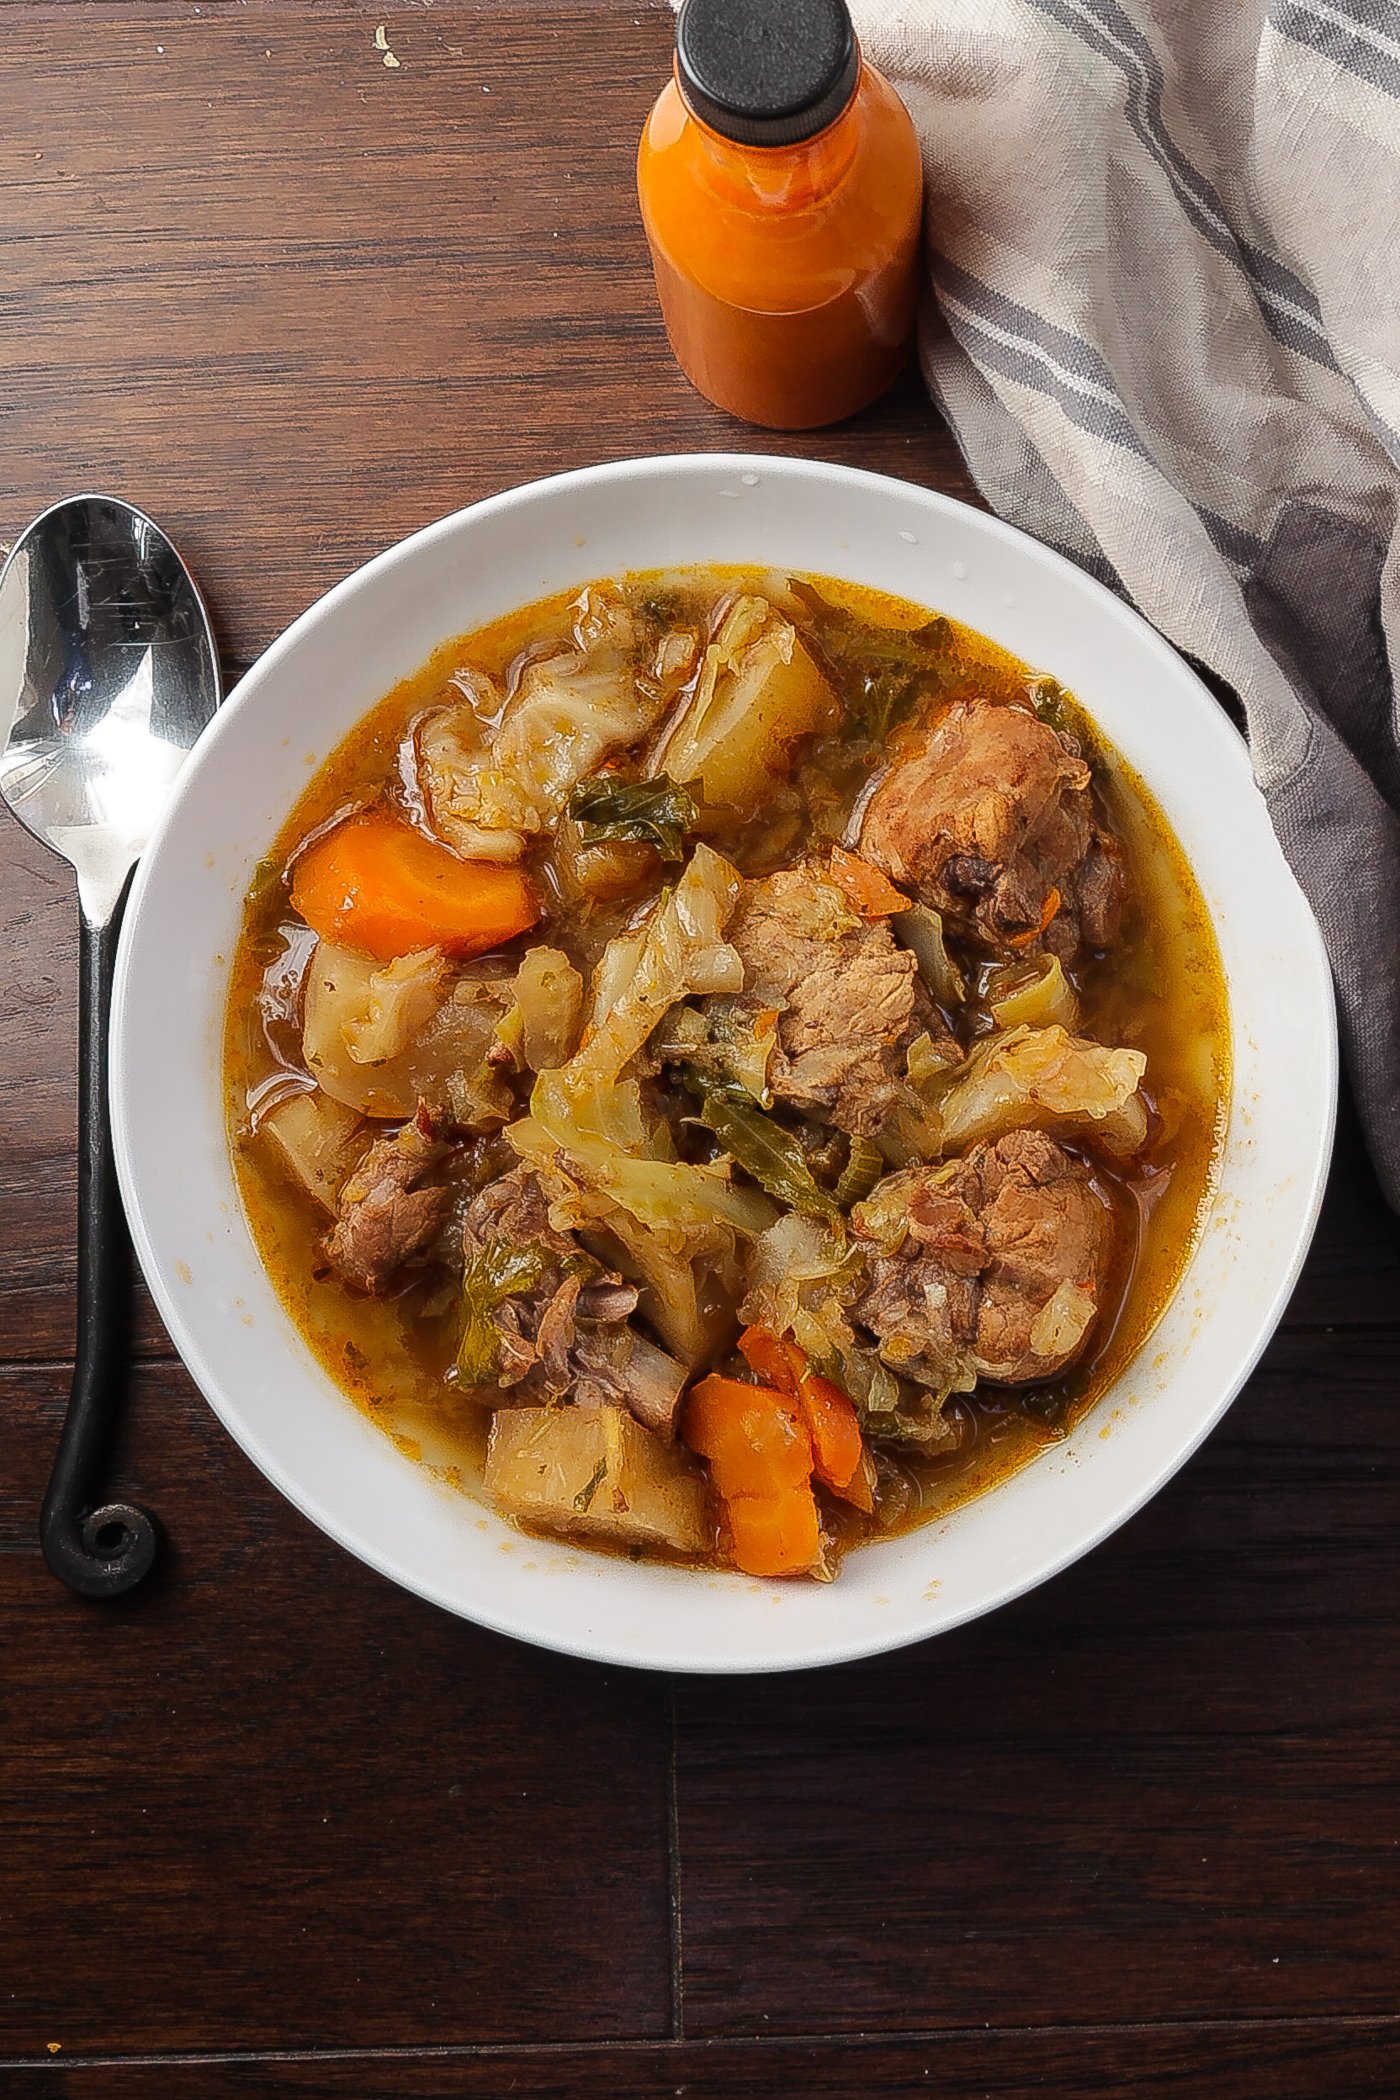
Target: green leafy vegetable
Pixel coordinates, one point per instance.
(498, 1272)
(733, 1039)
(881, 670)
(655, 812)
(269, 884)
(758, 1144)
(860, 1173)
(1054, 705)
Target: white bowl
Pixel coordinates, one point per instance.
(315, 683)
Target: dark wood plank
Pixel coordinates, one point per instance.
(1263, 2060)
(1162, 1786)
(271, 1800)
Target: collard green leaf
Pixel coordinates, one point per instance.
(860, 1173)
(498, 1272)
(759, 1144)
(655, 812)
(881, 671)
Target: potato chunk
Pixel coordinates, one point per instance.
(758, 692)
(596, 1473)
(318, 1140)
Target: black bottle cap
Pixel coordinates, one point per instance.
(766, 72)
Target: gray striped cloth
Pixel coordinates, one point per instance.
(1165, 249)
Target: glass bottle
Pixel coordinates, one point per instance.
(781, 192)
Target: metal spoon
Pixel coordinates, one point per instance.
(108, 672)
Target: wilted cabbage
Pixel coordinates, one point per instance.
(400, 999)
(549, 1003)
(921, 930)
(610, 1145)
(757, 692)
(488, 792)
(1043, 1079)
(603, 1159)
(1033, 995)
(607, 1167)
(381, 1039)
(679, 952)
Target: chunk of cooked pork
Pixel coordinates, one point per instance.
(564, 1332)
(992, 819)
(849, 999)
(997, 1264)
(387, 1211)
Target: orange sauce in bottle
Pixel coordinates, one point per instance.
(781, 192)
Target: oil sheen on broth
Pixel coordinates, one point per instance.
(894, 667)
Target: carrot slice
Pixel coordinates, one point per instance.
(832, 1423)
(773, 1357)
(837, 1446)
(377, 885)
(775, 1535)
(759, 1452)
(755, 1439)
(872, 894)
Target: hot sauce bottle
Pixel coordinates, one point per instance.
(781, 191)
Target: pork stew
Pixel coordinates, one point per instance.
(725, 1065)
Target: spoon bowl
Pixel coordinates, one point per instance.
(108, 673)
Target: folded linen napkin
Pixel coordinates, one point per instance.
(1165, 248)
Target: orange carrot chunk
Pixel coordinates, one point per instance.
(832, 1422)
(376, 885)
(836, 1440)
(872, 893)
(754, 1438)
(774, 1535)
(759, 1452)
(773, 1357)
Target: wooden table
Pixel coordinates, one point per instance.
(269, 1826)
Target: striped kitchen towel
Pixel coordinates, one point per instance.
(1165, 249)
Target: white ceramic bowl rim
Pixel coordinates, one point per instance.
(323, 673)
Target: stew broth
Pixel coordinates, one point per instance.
(893, 666)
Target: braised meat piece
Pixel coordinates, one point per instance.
(556, 1322)
(387, 1215)
(849, 999)
(993, 821)
(996, 1264)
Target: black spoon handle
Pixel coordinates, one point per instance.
(98, 1550)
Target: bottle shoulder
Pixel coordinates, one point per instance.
(865, 168)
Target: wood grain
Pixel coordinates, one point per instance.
(270, 1799)
(309, 304)
(1265, 2060)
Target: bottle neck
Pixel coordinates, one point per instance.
(779, 178)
